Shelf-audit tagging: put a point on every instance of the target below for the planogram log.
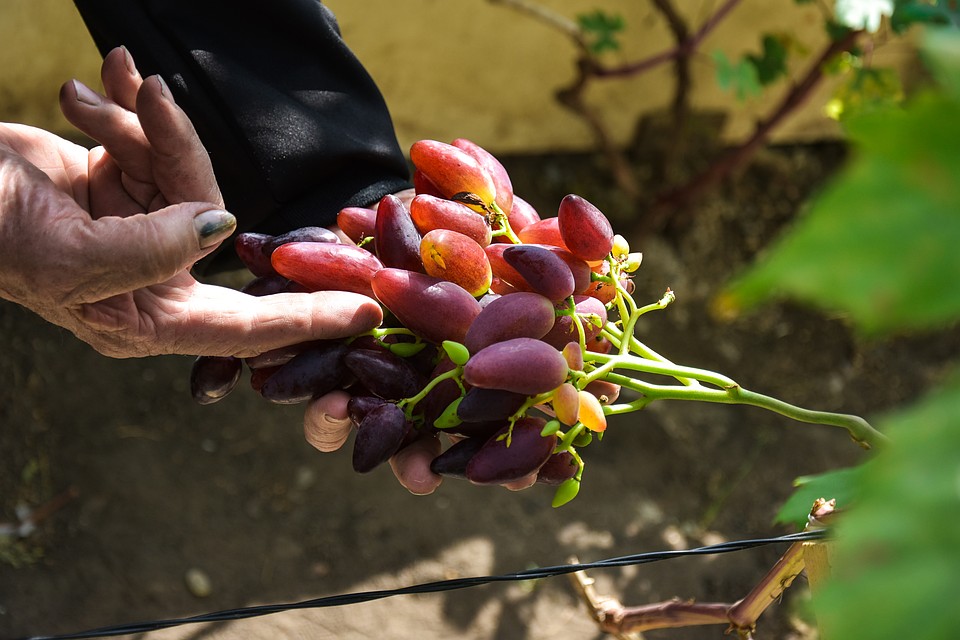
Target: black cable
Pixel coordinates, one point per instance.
(431, 587)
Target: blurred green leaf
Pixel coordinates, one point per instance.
(881, 243)
(740, 78)
(896, 564)
(942, 57)
(840, 484)
(906, 13)
(772, 61)
(601, 29)
(865, 90)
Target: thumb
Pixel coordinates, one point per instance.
(128, 253)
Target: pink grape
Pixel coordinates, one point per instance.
(518, 315)
(543, 270)
(521, 365)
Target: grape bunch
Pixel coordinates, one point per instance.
(496, 324)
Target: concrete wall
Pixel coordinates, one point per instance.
(469, 68)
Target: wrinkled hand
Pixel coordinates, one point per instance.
(101, 241)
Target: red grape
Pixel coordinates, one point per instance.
(456, 258)
(522, 214)
(432, 308)
(429, 213)
(585, 230)
(501, 179)
(357, 223)
(452, 170)
(327, 267)
(546, 231)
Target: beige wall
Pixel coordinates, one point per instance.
(452, 68)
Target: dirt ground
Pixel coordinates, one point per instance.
(162, 487)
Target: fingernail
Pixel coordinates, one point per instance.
(165, 90)
(85, 94)
(128, 61)
(213, 226)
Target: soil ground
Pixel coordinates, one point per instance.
(163, 486)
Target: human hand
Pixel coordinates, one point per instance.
(101, 241)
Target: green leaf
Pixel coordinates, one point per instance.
(907, 13)
(866, 89)
(896, 563)
(941, 53)
(740, 78)
(601, 28)
(840, 484)
(881, 243)
(772, 62)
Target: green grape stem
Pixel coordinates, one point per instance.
(695, 384)
(500, 218)
(860, 430)
(408, 404)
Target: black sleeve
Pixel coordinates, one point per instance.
(295, 127)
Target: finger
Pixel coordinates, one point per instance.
(112, 255)
(326, 424)
(116, 128)
(411, 466)
(120, 78)
(227, 322)
(180, 164)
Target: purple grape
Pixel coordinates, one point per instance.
(359, 406)
(396, 239)
(453, 462)
(310, 373)
(564, 331)
(558, 468)
(484, 405)
(303, 234)
(384, 374)
(521, 365)
(542, 269)
(266, 286)
(497, 463)
(379, 436)
(518, 315)
(249, 248)
(213, 377)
